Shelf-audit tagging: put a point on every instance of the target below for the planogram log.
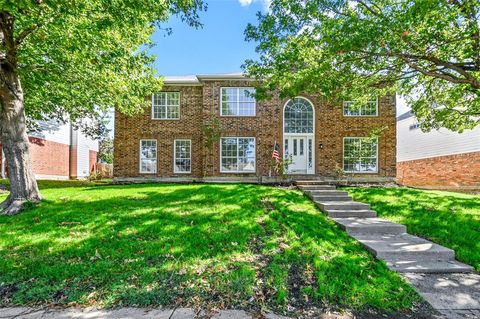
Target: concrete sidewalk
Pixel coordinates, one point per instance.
(137, 313)
(456, 296)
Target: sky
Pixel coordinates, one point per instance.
(218, 47)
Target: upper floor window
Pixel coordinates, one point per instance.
(298, 116)
(166, 106)
(237, 101)
(368, 109)
(414, 126)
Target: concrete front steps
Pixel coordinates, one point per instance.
(388, 241)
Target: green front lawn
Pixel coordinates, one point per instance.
(447, 218)
(220, 245)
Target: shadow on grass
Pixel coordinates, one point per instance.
(144, 245)
(449, 219)
(49, 184)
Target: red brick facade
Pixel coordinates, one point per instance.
(450, 171)
(55, 160)
(199, 104)
(49, 159)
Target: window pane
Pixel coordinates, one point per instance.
(237, 154)
(166, 105)
(148, 156)
(310, 153)
(298, 116)
(369, 109)
(238, 101)
(229, 108)
(182, 156)
(360, 154)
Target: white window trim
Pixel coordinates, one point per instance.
(166, 119)
(175, 156)
(343, 156)
(238, 103)
(359, 115)
(237, 171)
(140, 156)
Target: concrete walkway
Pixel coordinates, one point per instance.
(449, 286)
(138, 313)
(453, 295)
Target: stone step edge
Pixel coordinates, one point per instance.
(415, 266)
(378, 226)
(326, 191)
(351, 213)
(324, 205)
(386, 248)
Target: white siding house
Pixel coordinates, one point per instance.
(437, 159)
(413, 144)
(58, 151)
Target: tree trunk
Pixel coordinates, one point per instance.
(14, 140)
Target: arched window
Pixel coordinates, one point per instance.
(298, 116)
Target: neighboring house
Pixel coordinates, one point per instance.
(170, 140)
(59, 151)
(437, 159)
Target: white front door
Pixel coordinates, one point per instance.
(298, 150)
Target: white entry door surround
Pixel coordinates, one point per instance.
(299, 135)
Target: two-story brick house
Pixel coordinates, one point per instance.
(211, 128)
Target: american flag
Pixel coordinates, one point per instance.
(276, 154)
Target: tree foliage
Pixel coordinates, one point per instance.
(73, 60)
(105, 153)
(428, 50)
(77, 58)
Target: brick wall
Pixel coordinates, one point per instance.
(199, 104)
(49, 158)
(130, 130)
(451, 171)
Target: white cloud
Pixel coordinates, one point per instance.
(245, 3)
(265, 3)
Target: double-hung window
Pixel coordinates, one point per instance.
(148, 156)
(237, 155)
(360, 154)
(166, 106)
(237, 101)
(368, 109)
(183, 156)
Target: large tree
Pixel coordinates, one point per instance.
(428, 50)
(70, 60)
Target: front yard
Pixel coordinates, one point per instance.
(227, 246)
(446, 218)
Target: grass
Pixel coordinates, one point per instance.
(447, 218)
(241, 246)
